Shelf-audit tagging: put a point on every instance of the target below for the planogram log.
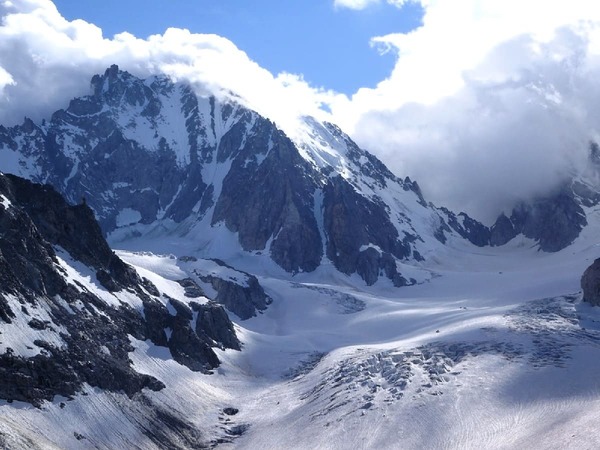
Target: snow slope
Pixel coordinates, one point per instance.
(493, 350)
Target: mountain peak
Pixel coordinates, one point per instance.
(152, 154)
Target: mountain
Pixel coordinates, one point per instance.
(152, 157)
(556, 219)
(151, 154)
(253, 302)
(70, 310)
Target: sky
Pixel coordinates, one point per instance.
(484, 102)
(329, 45)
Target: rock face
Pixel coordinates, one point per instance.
(153, 153)
(590, 283)
(242, 296)
(502, 231)
(468, 228)
(272, 199)
(361, 235)
(213, 323)
(69, 332)
(554, 222)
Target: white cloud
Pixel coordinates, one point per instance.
(5, 79)
(45, 60)
(489, 102)
(354, 4)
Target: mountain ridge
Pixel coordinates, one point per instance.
(151, 155)
(146, 151)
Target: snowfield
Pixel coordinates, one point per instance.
(492, 349)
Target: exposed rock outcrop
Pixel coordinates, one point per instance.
(502, 231)
(212, 322)
(360, 232)
(590, 283)
(554, 222)
(243, 297)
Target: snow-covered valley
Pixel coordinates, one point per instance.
(494, 349)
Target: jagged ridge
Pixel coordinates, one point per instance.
(152, 151)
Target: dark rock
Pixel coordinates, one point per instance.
(230, 411)
(590, 283)
(470, 229)
(554, 221)
(282, 178)
(351, 222)
(213, 322)
(242, 298)
(73, 228)
(502, 231)
(367, 265)
(188, 258)
(192, 290)
(78, 436)
(150, 287)
(182, 309)
(97, 336)
(188, 348)
(37, 324)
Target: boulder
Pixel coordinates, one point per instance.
(590, 283)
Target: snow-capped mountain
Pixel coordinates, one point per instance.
(253, 300)
(152, 155)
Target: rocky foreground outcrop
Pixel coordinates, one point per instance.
(69, 306)
(590, 283)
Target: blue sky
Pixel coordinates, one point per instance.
(328, 45)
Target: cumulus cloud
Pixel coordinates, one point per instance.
(45, 60)
(488, 103)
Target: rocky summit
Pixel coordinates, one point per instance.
(151, 154)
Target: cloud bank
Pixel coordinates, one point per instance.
(488, 103)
